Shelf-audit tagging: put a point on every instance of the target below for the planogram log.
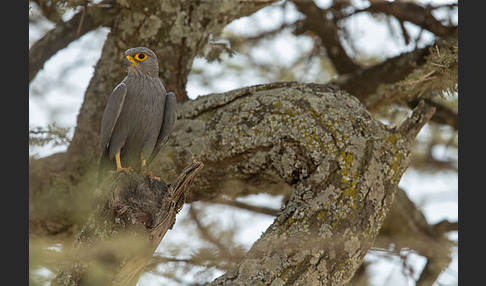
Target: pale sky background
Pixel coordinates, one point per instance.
(436, 194)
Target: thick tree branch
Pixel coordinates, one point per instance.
(341, 165)
(324, 145)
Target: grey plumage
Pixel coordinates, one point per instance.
(139, 116)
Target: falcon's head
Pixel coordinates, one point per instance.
(141, 61)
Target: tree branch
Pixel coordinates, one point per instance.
(207, 235)
(90, 18)
(414, 13)
(325, 146)
(364, 82)
(257, 209)
(406, 228)
(326, 28)
(341, 165)
(443, 115)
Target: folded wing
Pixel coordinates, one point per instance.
(170, 116)
(112, 111)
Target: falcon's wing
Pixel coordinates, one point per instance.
(170, 116)
(112, 111)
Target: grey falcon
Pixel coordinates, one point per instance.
(139, 116)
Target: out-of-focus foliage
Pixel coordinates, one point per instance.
(53, 134)
(53, 10)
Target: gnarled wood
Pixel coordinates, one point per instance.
(133, 215)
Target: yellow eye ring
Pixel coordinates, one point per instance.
(141, 57)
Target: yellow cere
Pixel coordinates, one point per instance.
(132, 60)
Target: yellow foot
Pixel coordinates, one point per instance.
(119, 167)
(151, 176)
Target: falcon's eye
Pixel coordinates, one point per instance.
(140, 57)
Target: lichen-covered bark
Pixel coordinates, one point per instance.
(341, 164)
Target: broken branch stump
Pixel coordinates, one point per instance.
(133, 214)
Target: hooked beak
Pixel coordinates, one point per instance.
(129, 62)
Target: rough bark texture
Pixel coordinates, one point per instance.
(133, 214)
(342, 166)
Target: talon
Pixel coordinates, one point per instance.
(156, 178)
(126, 170)
(150, 175)
(119, 167)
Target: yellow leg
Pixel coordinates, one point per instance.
(144, 171)
(119, 166)
(118, 162)
(144, 164)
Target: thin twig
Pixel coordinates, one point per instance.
(234, 203)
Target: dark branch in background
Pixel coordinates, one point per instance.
(208, 236)
(324, 23)
(406, 228)
(50, 10)
(257, 209)
(327, 29)
(414, 13)
(364, 82)
(90, 18)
